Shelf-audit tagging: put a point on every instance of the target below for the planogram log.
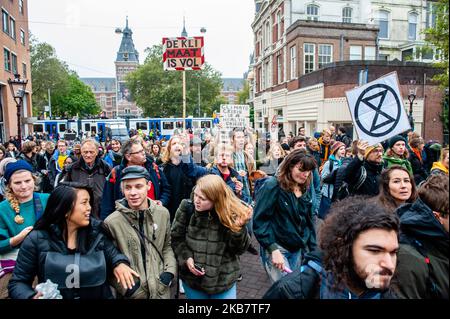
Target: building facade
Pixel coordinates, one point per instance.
(230, 89)
(15, 52)
(112, 94)
(296, 39)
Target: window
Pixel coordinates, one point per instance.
(431, 15)
(279, 31)
(168, 125)
(293, 62)
(14, 63)
(13, 28)
(39, 128)
(309, 53)
(24, 70)
(127, 111)
(412, 26)
(22, 37)
(383, 57)
(267, 35)
(267, 75)
(62, 127)
(7, 59)
(141, 126)
(383, 22)
(355, 52)
(21, 6)
(103, 101)
(369, 53)
(279, 70)
(5, 21)
(347, 15)
(325, 54)
(312, 12)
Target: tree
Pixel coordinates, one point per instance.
(437, 36)
(160, 93)
(70, 96)
(244, 94)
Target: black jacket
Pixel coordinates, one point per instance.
(32, 260)
(422, 236)
(418, 168)
(370, 186)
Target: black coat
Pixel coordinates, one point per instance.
(418, 168)
(370, 186)
(32, 258)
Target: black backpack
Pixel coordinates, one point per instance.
(341, 188)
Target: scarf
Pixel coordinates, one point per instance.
(418, 154)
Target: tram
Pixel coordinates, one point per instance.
(166, 126)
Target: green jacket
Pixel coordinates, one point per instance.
(390, 161)
(211, 245)
(155, 224)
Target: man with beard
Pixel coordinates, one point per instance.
(357, 257)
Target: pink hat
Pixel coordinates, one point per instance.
(336, 146)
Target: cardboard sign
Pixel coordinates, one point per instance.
(234, 116)
(377, 109)
(183, 53)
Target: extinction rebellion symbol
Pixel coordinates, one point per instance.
(376, 97)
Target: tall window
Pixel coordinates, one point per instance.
(325, 54)
(412, 26)
(312, 12)
(308, 58)
(383, 22)
(279, 25)
(293, 62)
(22, 37)
(5, 21)
(267, 35)
(267, 75)
(24, 70)
(103, 101)
(21, 6)
(14, 63)
(355, 52)
(369, 53)
(263, 77)
(7, 59)
(431, 15)
(13, 28)
(347, 15)
(279, 70)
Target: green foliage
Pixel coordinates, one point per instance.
(244, 94)
(160, 93)
(438, 37)
(69, 95)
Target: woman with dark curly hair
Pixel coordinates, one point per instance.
(397, 187)
(283, 221)
(359, 245)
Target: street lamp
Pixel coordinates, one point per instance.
(412, 89)
(18, 87)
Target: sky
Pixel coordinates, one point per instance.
(83, 31)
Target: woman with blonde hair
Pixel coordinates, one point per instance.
(441, 167)
(20, 210)
(275, 156)
(216, 217)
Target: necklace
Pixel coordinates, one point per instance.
(19, 219)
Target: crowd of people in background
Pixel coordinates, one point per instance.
(334, 218)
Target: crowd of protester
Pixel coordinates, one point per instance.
(334, 218)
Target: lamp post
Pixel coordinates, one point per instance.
(411, 97)
(18, 87)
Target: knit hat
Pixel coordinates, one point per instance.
(5, 162)
(370, 149)
(396, 139)
(13, 167)
(337, 145)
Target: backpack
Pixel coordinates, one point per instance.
(344, 190)
(258, 184)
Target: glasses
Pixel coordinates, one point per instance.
(138, 152)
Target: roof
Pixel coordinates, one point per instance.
(127, 51)
(100, 84)
(232, 84)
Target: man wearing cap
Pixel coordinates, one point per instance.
(363, 173)
(141, 230)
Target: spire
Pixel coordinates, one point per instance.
(184, 32)
(127, 51)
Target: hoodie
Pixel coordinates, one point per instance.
(438, 168)
(416, 274)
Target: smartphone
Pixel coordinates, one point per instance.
(199, 268)
(130, 292)
(287, 270)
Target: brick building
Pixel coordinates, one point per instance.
(230, 89)
(14, 39)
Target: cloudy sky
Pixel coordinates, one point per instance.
(82, 31)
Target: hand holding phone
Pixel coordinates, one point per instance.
(199, 268)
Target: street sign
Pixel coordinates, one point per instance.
(377, 109)
(182, 53)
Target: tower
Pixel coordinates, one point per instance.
(127, 61)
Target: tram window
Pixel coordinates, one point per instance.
(167, 125)
(62, 127)
(179, 124)
(93, 129)
(38, 128)
(206, 124)
(141, 126)
(54, 128)
(87, 127)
